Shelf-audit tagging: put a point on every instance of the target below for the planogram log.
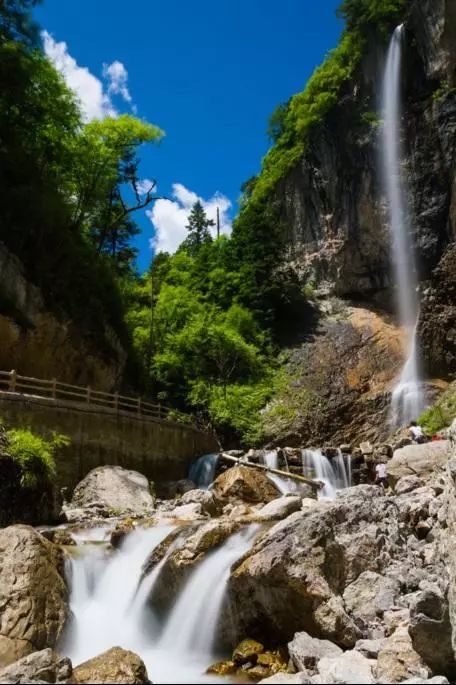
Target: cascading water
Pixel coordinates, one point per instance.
(335, 474)
(284, 485)
(407, 399)
(192, 626)
(109, 601)
(103, 591)
(202, 471)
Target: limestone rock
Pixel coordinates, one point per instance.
(114, 666)
(279, 508)
(33, 593)
(246, 484)
(351, 667)
(370, 595)
(397, 660)
(418, 460)
(407, 484)
(303, 677)
(186, 512)
(45, 666)
(306, 651)
(209, 502)
(430, 630)
(115, 490)
(294, 575)
(370, 648)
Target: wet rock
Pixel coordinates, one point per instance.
(247, 651)
(59, 536)
(418, 460)
(407, 484)
(223, 668)
(206, 498)
(397, 660)
(45, 666)
(306, 651)
(114, 666)
(113, 490)
(120, 532)
(246, 484)
(33, 593)
(279, 508)
(351, 667)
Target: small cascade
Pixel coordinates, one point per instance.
(192, 626)
(202, 471)
(335, 473)
(103, 591)
(407, 399)
(283, 484)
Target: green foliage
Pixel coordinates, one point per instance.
(382, 15)
(34, 456)
(198, 229)
(441, 414)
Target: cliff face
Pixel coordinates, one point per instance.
(36, 343)
(333, 201)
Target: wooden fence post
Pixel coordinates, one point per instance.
(88, 395)
(12, 381)
(54, 388)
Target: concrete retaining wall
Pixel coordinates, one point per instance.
(161, 450)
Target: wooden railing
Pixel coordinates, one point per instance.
(12, 382)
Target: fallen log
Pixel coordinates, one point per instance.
(315, 484)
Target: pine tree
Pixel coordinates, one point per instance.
(198, 229)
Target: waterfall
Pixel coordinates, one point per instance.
(202, 471)
(284, 485)
(192, 625)
(103, 590)
(109, 601)
(407, 399)
(335, 474)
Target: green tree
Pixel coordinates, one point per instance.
(198, 229)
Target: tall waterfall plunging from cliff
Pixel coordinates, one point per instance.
(407, 399)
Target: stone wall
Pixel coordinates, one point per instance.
(161, 450)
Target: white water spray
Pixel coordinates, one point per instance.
(202, 471)
(407, 399)
(192, 625)
(335, 473)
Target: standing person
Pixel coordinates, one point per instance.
(381, 475)
(416, 433)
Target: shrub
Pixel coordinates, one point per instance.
(34, 455)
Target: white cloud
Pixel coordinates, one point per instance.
(94, 97)
(145, 185)
(170, 217)
(117, 77)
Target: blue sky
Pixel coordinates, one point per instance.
(209, 74)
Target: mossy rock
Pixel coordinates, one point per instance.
(222, 668)
(247, 651)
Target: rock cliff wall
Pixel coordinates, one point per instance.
(35, 343)
(333, 201)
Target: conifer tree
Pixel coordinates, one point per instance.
(198, 229)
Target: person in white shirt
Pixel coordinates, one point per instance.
(381, 475)
(416, 433)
